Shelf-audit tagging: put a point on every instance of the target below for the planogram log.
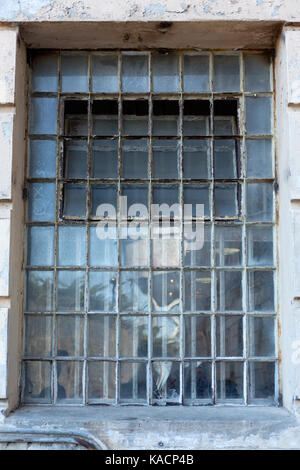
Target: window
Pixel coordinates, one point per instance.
(134, 318)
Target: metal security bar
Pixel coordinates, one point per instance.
(147, 320)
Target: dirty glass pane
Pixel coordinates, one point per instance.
(226, 203)
(165, 72)
(261, 336)
(166, 381)
(259, 158)
(38, 335)
(76, 156)
(102, 291)
(43, 115)
(40, 246)
(197, 331)
(69, 330)
(133, 383)
(228, 248)
(76, 117)
(229, 335)
(166, 251)
(258, 115)
(197, 251)
(197, 380)
(44, 75)
(71, 246)
(39, 290)
(196, 73)
(42, 159)
(165, 336)
(69, 381)
(134, 246)
(104, 159)
(101, 381)
(165, 159)
(261, 291)
(135, 73)
(101, 341)
(165, 291)
(133, 336)
(134, 286)
(197, 194)
(197, 288)
(257, 72)
(70, 291)
(135, 159)
(136, 194)
(105, 117)
(74, 71)
(225, 159)
(261, 382)
(229, 290)
(165, 194)
(259, 202)
(74, 200)
(196, 159)
(226, 73)
(41, 202)
(37, 380)
(103, 251)
(104, 194)
(230, 381)
(105, 73)
(260, 246)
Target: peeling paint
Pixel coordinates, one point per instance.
(7, 129)
(154, 9)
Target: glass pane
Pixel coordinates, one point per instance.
(44, 76)
(135, 73)
(165, 117)
(69, 381)
(260, 291)
(101, 340)
(70, 291)
(228, 245)
(76, 117)
(260, 202)
(197, 330)
(104, 194)
(258, 115)
(39, 291)
(226, 73)
(257, 72)
(38, 335)
(197, 194)
(165, 194)
(72, 246)
(197, 288)
(196, 73)
(260, 246)
(261, 382)
(165, 72)
(103, 291)
(104, 159)
(166, 250)
(194, 256)
(134, 246)
(43, 115)
(133, 336)
(165, 336)
(229, 290)
(196, 159)
(261, 336)
(105, 73)
(226, 200)
(166, 290)
(74, 70)
(135, 159)
(197, 380)
(135, 117)
(133, 384)
(226, 117)
(196, 117)
(76, 154)
(229, 335)
(37, 379)
(74, 200)
(165, 159)
(101, 381)
(103, 252)
(134, 291)
(166, 382)
(259, 158)
(42, 159)
(40, 246)
(105, 117)
(225, 159)
(229, 381)
(136, 194)
(41, 202)
(69, 330)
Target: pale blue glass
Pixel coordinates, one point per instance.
(42, 158)
(74, 70)
(40, 246)
(41, 203)
(44, 75)
(43, 115)
(135, 73)
(105, 73)
(71, 246)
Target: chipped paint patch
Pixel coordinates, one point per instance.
(154, 9)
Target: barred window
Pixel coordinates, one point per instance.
(136, 317)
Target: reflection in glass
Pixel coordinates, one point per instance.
(101, 381)
(230, 381)
(165, 293)
(261, 336)
(72, 245)
(229, 335)
(70, 291)
(229, 290)
(101, 340)
(103, 291)
(134, 291)
(228, 245)
(166, 382)
(165, 72)
(41, 202)
(69, 330)
(40, 246)
(260, 245)
(105, 73)
(165, 336)
(133, 385)
(197, 331)
(39, 291)
(69, 381)
(134, 248)
(74, 71)
(133, 336)
(38, 335)
(37, 380)
(226, 200)
(261, 382)
(261, 291)
(194, 256)
(197, 381)
(259, 202)
(197, 290)
(135, 73)
(42, 158)
(103, 251)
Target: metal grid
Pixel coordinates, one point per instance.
(213, 364)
